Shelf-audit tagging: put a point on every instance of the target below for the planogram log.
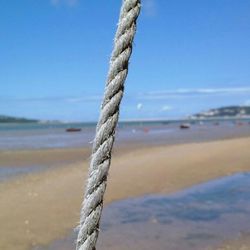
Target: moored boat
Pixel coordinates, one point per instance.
(184, 126)
(73, 129)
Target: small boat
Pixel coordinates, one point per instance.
(73, 129)
(184, 126)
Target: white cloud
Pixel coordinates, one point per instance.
(154, 95)
(55, 2)
(139, 106)
(247, 102)
(83, 99)
(166, 108)
(149, 6)
(70, 3)
(69, 99)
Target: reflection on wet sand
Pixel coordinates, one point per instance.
(201, 217)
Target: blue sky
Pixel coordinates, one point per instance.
(188, 56)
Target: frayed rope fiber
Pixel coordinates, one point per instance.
(105, 131)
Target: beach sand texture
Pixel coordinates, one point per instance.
(38, 208)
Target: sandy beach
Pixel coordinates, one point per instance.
(155, 95)
(43, 206)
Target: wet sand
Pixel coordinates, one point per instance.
(241, 243)
(40, 207)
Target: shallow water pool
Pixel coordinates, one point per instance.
(197, 218)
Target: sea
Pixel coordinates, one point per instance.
(15, 136)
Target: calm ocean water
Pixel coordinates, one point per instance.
(37, 136)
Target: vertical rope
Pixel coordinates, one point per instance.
(105, 131)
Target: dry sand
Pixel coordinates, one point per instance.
(38, 208)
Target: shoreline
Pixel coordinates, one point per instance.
(68, 155)
(46, 205)
(154, 135)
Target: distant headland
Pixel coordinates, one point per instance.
(224, 112)
(233, 112)
(11, 119)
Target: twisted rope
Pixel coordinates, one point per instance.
(105, 131)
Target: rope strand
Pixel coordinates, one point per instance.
(105, 131)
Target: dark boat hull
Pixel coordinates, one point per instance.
(73, 129)
(184, 126)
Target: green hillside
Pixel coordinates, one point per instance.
(10, 119)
